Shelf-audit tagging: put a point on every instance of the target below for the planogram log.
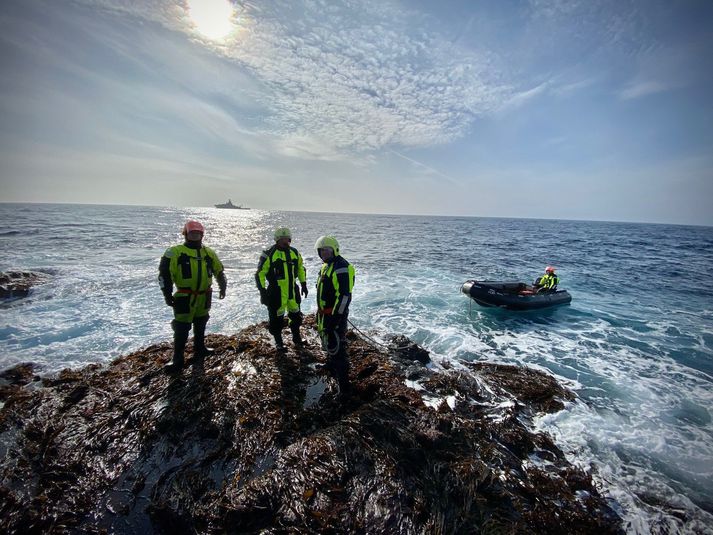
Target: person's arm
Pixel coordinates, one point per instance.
(302, 275)
(342, 284)
(165, 281)
(219, 273)
(263, 267)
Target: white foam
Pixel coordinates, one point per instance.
(415, 385)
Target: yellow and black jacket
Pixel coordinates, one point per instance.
(548, 281)
(192, 269)
(278, 272)
(334, 289)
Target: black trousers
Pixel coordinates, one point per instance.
(277, 321)
(337, 358)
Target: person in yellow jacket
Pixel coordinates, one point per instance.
(334, 294)
(278, 272)
(191, 266)
(548, 282)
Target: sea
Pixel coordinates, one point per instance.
(635, 344)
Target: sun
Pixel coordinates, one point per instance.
(212, 18)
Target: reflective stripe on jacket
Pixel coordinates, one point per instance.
(549, 281)
(334, 286)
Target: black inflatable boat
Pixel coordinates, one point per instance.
(512, 295)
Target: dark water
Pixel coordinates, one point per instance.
(636, 344)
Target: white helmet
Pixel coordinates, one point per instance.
(282, 232)
(327, 241)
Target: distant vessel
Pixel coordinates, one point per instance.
(230, 205)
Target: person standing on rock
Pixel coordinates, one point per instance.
(334, 294)
(191, 266)
(278, 271)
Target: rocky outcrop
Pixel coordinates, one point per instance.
(15, 284)
(254, 441)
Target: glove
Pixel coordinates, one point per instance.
(169, 299)
(263, 297)
(222, 284)
(304, 289)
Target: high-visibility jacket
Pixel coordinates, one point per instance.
(549, 281)
(277, 272)
(192, 270)
(334, 287)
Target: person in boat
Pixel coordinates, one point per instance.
(191, 266)
(548, 282)
(278, 271)
(334, 294)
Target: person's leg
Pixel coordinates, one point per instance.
(199, 348)
(276, 322)
(295, 320)
(337, 360)
(180, 337)
(342, 357)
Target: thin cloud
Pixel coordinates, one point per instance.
(569, 88)
(359, 76)
(522, 97)
(429, 170)
(643, 88)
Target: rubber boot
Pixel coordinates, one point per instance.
(180, 337)
(295, 320)
(279, 344)
(296, 338)
(341, 366)
(200, 351)
(275, 325)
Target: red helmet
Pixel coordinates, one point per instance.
(191, 226)
(549, 269)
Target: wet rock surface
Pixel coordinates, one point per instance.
(16, 284)
(255, 441)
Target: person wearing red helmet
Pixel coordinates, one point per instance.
(548, 282)
(191, 266)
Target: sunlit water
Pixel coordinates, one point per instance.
(636, 344)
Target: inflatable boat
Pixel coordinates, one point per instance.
(512, 295)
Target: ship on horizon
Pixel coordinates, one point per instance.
(232, 206)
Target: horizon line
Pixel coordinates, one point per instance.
(470, 216)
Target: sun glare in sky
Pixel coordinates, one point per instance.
(212, 18)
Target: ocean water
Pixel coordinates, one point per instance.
(636, 344)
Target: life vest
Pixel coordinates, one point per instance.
(192, 270)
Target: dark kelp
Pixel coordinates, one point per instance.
(252, 440)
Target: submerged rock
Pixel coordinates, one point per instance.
(16, 284)
(252, 440)
(405, 350)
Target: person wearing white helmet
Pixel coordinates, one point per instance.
(548, 282)
(191, 266)
(334, 294)
(279, 270)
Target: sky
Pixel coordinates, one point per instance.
(555, 109)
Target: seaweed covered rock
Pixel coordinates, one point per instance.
(16, 284)
(252, 441)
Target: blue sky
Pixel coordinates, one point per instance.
(540, 108)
